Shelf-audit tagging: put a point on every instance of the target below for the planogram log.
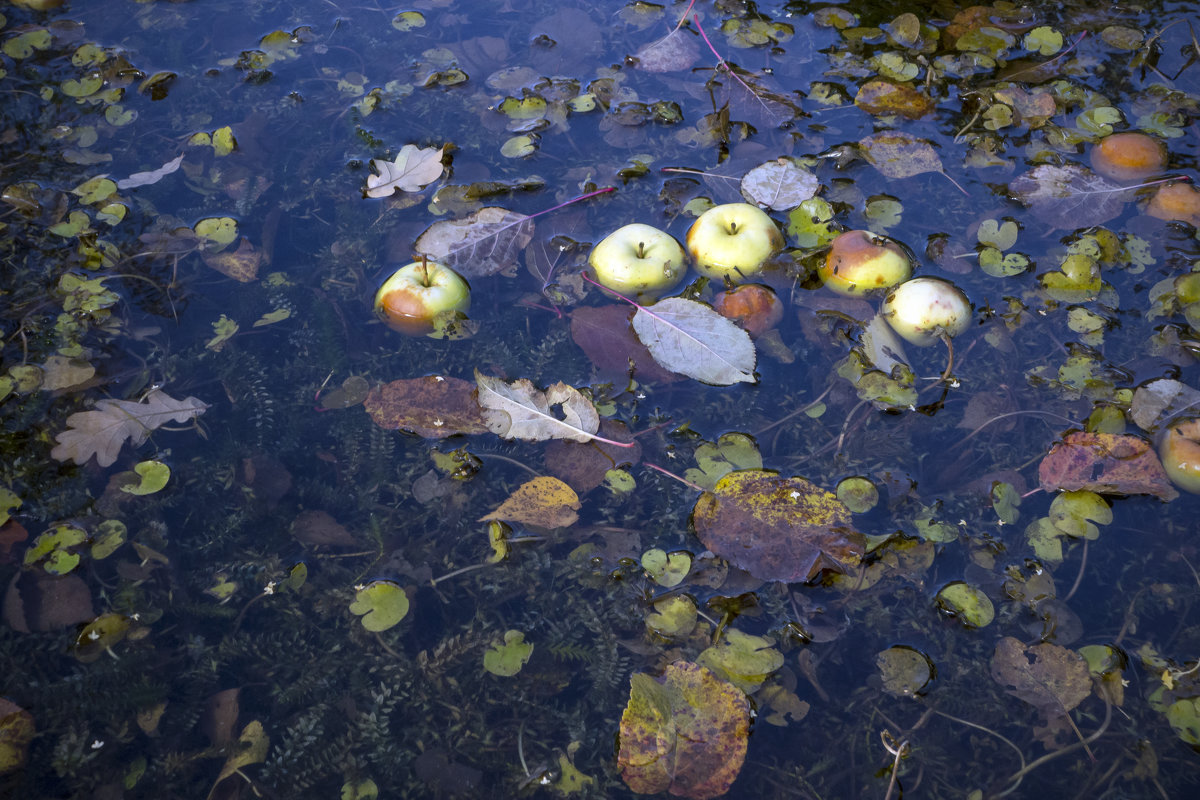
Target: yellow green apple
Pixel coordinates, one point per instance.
(861, 261)
(637, 259)
(922, 309)
(733, 241)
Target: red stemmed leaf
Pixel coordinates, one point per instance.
(694, 340)
(1105, 463)
(683, 733)
(777, 528)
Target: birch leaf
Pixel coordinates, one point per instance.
(103, 430)
(1070, 196)
(484, 243)
(518, 410)
(690, 338)
(544, 502)
(413, 170)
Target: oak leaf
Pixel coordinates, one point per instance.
(103, 430)
(413, 170)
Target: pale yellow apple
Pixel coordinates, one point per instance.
(733, 241)
(1179, 450)
(860, 261)
(637, 259)
(409, 300)
(922, 309)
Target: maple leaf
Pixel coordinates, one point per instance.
(103, 430)
(413, 170)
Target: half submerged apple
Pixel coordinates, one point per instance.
(412, 298)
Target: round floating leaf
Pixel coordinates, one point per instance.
(684, 732)
(381, 604)
(905, 671)
(1184, 717)
(742, 659)
(776, 528)
(154, 476)
(101, 634)
(858, 494)
(673, 616)
(53, 551)
(507, 659)
(667, 569)
(967, 603)
(219, 230)
(110, 534)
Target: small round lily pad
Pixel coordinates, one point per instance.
(969, 604)
(381, 604)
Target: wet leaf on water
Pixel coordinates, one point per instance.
(151, 177)
(103, 430)
(506, 659)
(1052, 678)
(1184, 718)
(675, 52)
(432, 406)
(108, 538)
(673, 616)
(694, 340)
(242, 264)
(252, 745)
(1070, 196)
(606, 337)
(381, 604)
(37, 601)
(776, 528)
(898, 155)
(352, 392)
(16, 732)
(667, 569)
(742, 659)
(9, 502)
(518, 410)
(781, 184)
(1158, 402)
(55, 550)
(715, 460)
(884, 97)
(413, 169)
(149, 477)
(684, 732)
(905, 671)
(967, 603)
(543, 502)
(586, 465)
(60, 372)
(811, 225)
(1105, 463)
(484, 243)
(100, 636)
(320, 528)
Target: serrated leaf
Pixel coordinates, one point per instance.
(781, 184)
(518, 410)
(413, 169)
(484, 243)
(690, 338)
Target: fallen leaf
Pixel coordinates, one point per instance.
(381, 605)
(251, 748)
(883, 97)
(1106, 463)
(781, 184)
(242, 264)
(694, 340)
(17, 730)
(413, 170)
(482, 244)
(433, 406)
(1070, 196)
(584, 465)
(103, 430)
(506, 659)
(151, 177)
(683, 733)
(605, 335)
(320, 528)
(518, 410)
(60, 372)
(898, 155)
(1048, 676)
(543, 502)
(673, 53)
(777, 528)
(742, 659)
(1156, 403)
(38, 601)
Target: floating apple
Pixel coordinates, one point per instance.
(1179, 450)
(1176, 201)
(1129, 157)
(752, 306)
(416, 293)
(733, 241)
(638, 258)
(922, 309)
(860, 261)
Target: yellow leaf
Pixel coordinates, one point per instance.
(543, 502)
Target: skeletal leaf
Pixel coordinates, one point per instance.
(781, 184)
(413, 170)
(484, 243)
(518, 410)
(1070, 196)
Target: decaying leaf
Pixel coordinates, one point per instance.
(432, 406)
(1070, 196)
(584, 465)
(413, 170)
(320, 528)
(781, 184)
(694, 340)
(675, 52)
(1106, 463)
(606, 337)
(898, 155)
(1156, 403)
(103, 430)
(518, 410)
(1050, 677)
(543, 502)
(251, 748)
(484, 243)
(884, 97)
(683, 733)
(151, 177)
(16, 732)
(242, 264)
(777, 528)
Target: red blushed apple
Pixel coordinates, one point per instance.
(416, 293)
(860, 261)
(923, 309)
(1179, 450)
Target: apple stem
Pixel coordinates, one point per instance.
(641, 249)
(946, 377)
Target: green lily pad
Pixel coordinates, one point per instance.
(905, 671)
(858, 494)
(152, 476)
(1184, 717)
(100, 635)
(970, 605)
(507, 659)
(221, 231)
(667, 569)
(714, 461)
(52, 549)
(381, 604)
(673, 616)
(742, 659)
(9, 502)
(110, 535)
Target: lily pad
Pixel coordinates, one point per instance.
(969, 604)
(507, 659)
(905, 671)
(381, 604)
(742, 659)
